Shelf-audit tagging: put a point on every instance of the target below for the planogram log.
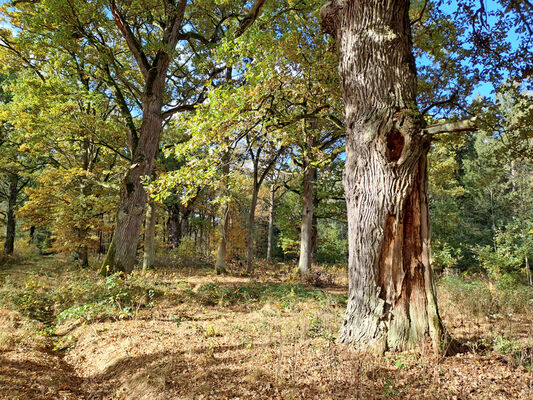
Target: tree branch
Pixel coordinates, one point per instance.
(248, 21)
(133, 44)
(467, 125)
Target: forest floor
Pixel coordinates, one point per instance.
(190, 334)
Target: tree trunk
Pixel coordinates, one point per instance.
(85, 190)
(149, 237)
(391, 302)
(9, 244)
(220, 263)
(184, 223)
(528, 272)
(251, 225)
(83, 254)
(270, 224)
(306, 234)
(174, 227)
(132, 193)
(314, 233)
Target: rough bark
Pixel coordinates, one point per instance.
(306, 232)
(9, 243)
(149, 237)
(391, 302)
(144, 143)
(132, 194)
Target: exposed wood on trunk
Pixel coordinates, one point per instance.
(391, 302)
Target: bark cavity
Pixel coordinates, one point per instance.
(395, 145)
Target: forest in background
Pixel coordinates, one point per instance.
(206, 141)
(246, 146)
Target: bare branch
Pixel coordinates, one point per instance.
(467, 125)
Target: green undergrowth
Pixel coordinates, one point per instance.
(282, 294)
(57, 294)
(500, 306)
(77, 295)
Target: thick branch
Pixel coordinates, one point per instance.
(248, 21)
(171, 35)
(123, 106)
(467, 125)
(133, 44)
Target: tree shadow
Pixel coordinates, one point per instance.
(39, 379)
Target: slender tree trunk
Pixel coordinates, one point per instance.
(83, 254)
(314, 233)
(9, 244)
(149, 237)
(184, 223)
(391, 303)
(85, 190)
(270, 224)
(306, 234)
(220, 263)
(174, 227)
(251, 226)
(32, 233)
(528, 272)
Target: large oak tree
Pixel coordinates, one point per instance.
(392, 302)
(156, 59)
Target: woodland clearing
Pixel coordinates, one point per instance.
(190, 334)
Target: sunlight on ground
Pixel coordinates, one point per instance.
(201, 336)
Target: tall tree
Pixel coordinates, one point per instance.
(120, 33)
(391, 303)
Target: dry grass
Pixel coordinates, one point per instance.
(252, 346)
